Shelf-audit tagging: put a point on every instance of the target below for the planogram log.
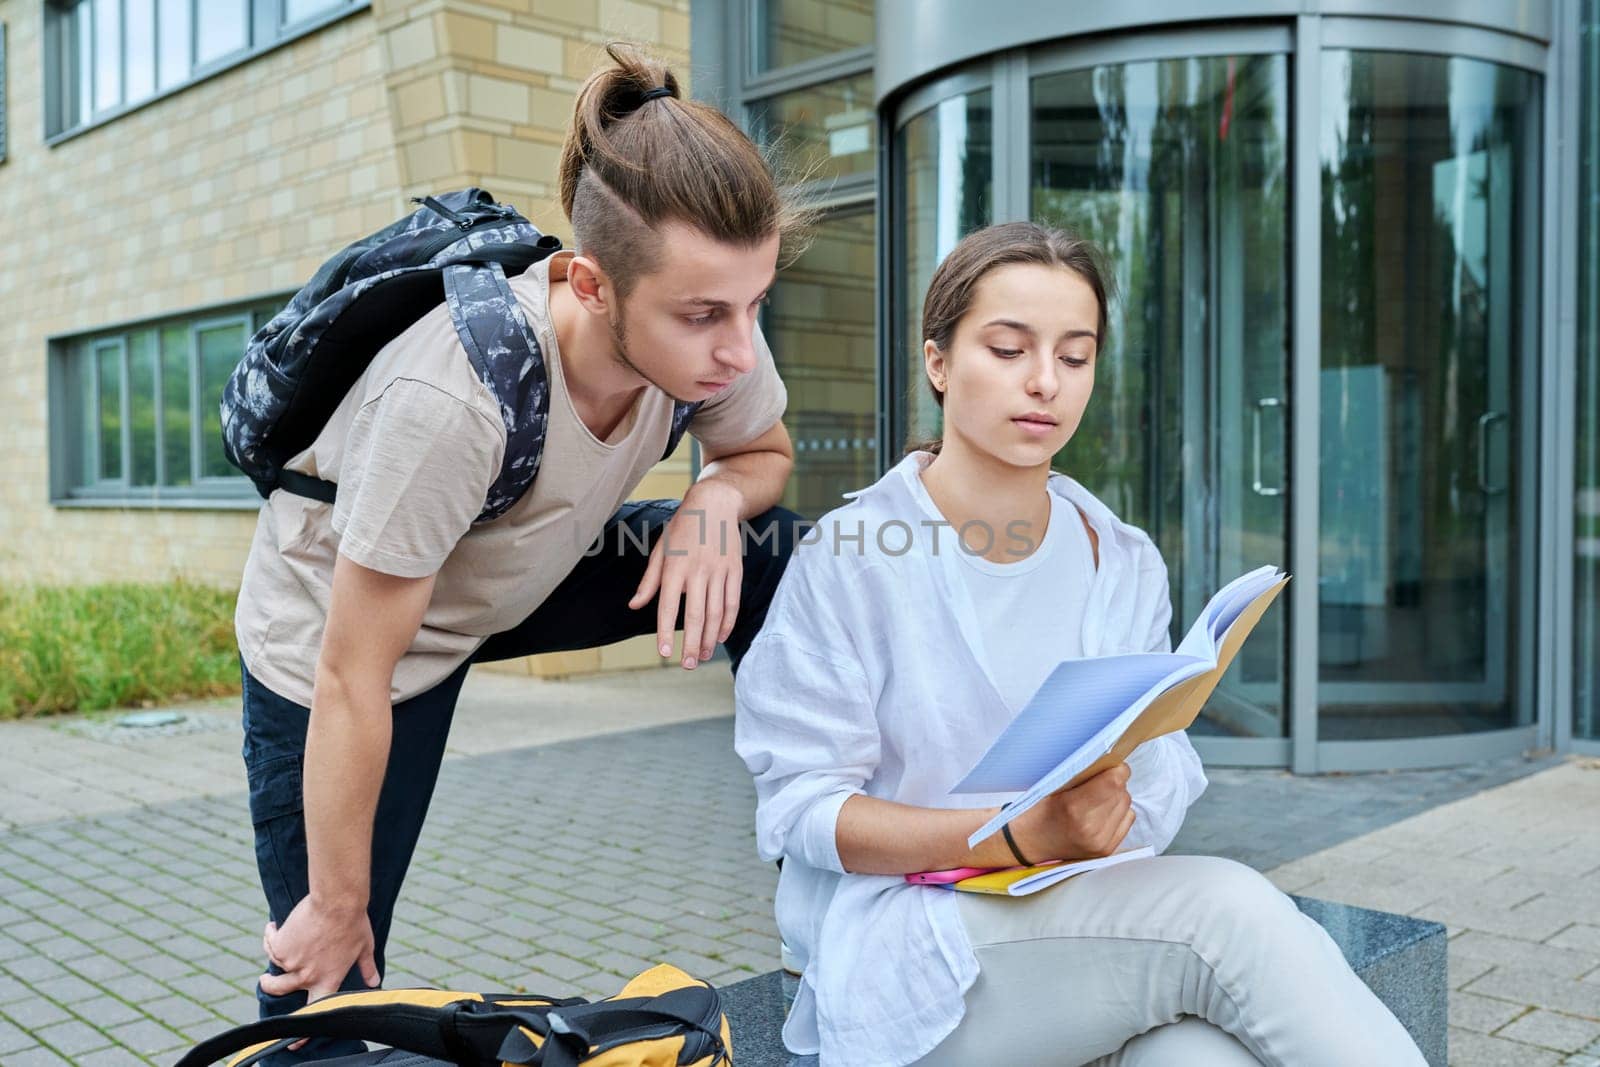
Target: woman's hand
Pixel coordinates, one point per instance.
(699, 559)
(1084, 822)
(876, 836)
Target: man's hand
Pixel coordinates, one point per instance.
(1085, 822)
(315, 949)
(699, 559)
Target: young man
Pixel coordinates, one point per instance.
(357, 621)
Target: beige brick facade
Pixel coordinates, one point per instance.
(236, 188)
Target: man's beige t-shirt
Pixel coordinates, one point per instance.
(413, 448)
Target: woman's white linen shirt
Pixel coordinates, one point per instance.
(869, 676)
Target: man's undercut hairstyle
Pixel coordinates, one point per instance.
(639, 155)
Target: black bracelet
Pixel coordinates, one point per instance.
(1011, 843)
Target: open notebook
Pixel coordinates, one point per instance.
(1091, 713)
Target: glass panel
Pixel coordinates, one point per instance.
(3, 107)
(108, 362)
(86, 407)
(1428, 164)
(107, 54)
(1177, 169)
(223, 27)
(820, 326)
(296, 10)
(1586, 567)
(945, 166)
(790, 31)
(139, 52)
(83, 26)
(142, 408)
(175, 42)
(176, 406)
(220, 349)
(829, 131)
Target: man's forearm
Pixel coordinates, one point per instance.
(758, 478)
(347, 751)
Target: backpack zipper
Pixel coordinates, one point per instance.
(445, 240)
(439, 209)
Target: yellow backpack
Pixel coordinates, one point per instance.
(662, 1018)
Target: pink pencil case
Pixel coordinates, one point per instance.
(946, 877)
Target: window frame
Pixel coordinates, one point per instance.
(266, 31)
(77, 481)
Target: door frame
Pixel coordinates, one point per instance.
(1315, 34)
(1544, 604)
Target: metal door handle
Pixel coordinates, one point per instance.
(1255, 415)
(1487, 419)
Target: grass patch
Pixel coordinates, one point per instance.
(83, 648)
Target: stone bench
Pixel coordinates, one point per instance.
(1401, 959)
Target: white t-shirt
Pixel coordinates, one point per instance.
(1031, 611)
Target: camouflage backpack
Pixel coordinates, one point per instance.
(459, 249)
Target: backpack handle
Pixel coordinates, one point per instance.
(447, 1032)
(515, 257)
(570, 1033)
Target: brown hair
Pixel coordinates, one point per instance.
(633, 161)
(981, 251)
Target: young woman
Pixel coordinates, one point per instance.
(905, 635)
(357, 622)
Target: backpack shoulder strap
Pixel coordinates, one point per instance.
(682, 415)
(508, 359)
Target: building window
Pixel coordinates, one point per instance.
(105, 57)
(137, 410)
(795, 31)
(298, 11)
(802, 87)
(820, 326)
(827, 132)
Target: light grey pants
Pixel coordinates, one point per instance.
(1175, 960)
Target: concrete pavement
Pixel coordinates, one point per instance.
(584, 829)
